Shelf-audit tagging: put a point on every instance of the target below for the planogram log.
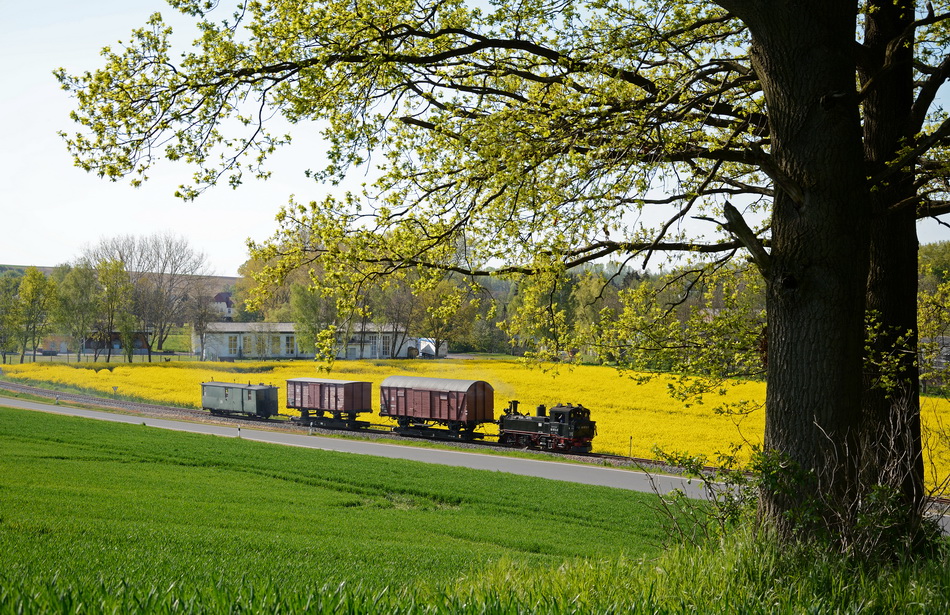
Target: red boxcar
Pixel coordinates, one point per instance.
(460, 404)
(319, 395)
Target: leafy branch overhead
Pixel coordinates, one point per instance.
(605, 113)
(543, 128)
(468, 110)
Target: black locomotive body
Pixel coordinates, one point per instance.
(560, 428)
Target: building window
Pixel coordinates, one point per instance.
(289, 344)
(232, 345)
(275, 345)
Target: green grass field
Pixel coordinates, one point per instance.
(100, 517)
(110, 515)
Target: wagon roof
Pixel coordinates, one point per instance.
(437, 384)
(240, 385)
(324, 380)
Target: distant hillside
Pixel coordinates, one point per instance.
(217, 282)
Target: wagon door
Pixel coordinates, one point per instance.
(303, 394)
(336, 397)
(248, 404)
(393, 402)
(441, 405)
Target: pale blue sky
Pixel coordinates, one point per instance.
(50, 210)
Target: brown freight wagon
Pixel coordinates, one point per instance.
(458, 404)
(323, 395)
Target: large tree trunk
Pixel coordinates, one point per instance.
(891, 437)
(819, 259)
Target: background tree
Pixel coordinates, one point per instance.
(254, 307)
(934, 318)
(934, 265)
(126, 328)
(115, 299)
(9, 286)
(933, 314)
(76, 302)
(485, 333)
(396, 309)
(449, 311)
(540, 136)
(33, 310)
(200, 312)
(541, 315)
(312, 315)
(164, 271)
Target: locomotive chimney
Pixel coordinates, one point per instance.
(542, 411)
(513, 406)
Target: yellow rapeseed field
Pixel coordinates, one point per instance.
(632, 418)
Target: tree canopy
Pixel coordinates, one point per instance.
(527, 138)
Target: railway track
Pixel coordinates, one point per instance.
(372, 431)
(99, 402)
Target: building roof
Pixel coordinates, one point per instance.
(251, 327)
(277, 327)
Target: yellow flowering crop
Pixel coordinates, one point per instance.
(631, 417)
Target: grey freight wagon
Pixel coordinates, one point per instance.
(461, 405)
(225, 398)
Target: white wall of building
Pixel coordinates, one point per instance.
(228, 341)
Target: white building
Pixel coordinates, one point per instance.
(278, 340)
(224, 305)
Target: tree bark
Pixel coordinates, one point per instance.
(891, 435)
(819, 260)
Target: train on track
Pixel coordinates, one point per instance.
(438, 408)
